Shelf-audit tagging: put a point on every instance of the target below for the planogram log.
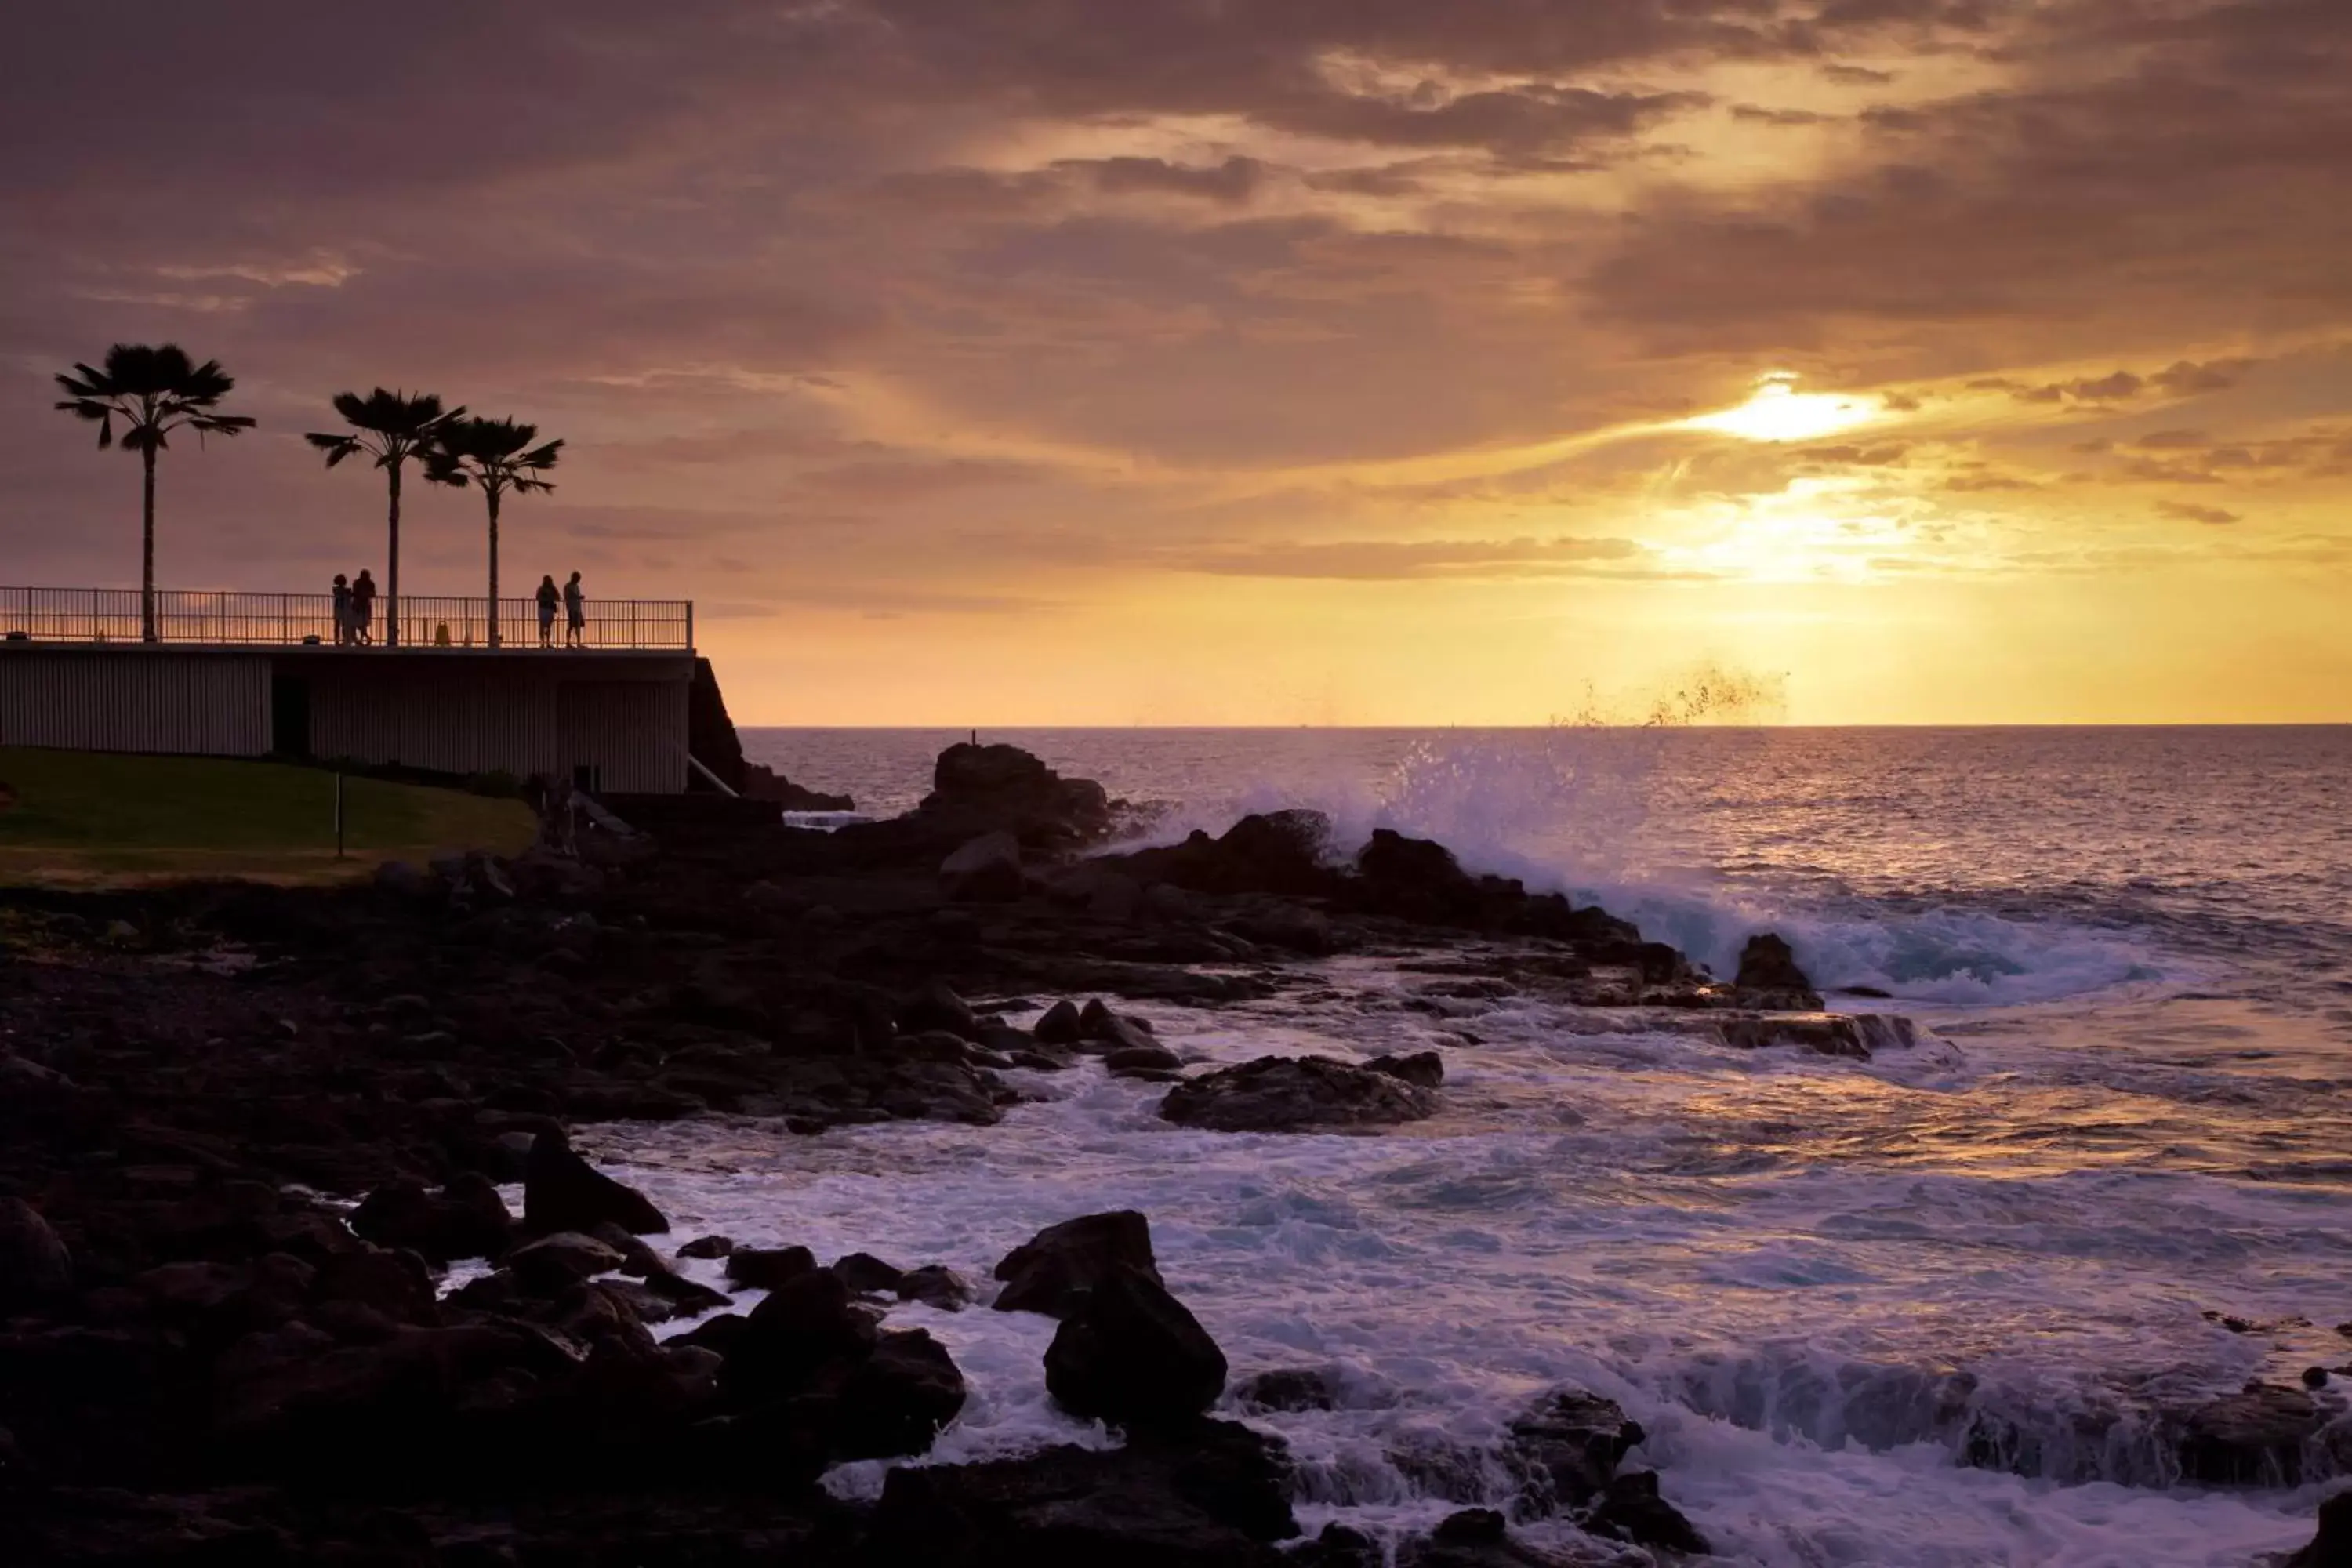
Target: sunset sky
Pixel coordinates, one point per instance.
(1168, 361)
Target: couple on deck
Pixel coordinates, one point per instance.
(354, 610)
(575, 599)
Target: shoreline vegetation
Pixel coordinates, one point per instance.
(245, 1130)
(109, 820)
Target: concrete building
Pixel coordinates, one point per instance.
(258, 675)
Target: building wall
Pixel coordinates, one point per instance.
(625, 719)
(136, 699)
(622, 716)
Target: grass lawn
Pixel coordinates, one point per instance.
(94, 817)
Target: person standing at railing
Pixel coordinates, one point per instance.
(342, 609)
(547, 599)
(575, 613)
(362, 608)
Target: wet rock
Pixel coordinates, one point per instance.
(763, 783)
(552, 1262)
(1060, 1026)
(1768, 965)
(1104, 1030)
(936, 1285)
(1045, 1273)
(806, 1329)
(1291, 928)
(1857, 1036)
(1212, 1494)
(766, 1269)
(1568, 1445)
(867, 1274)
(897, 1399)
(1007, 789)
(35, 1267)
(936, 1006)
(391, 1282)
(1417, 879)
(1154, 1060)
(1632, 1510)
(1274, 852)
(707, 1246)
(1287, 1388)
(563, 1192)
(1130, 1353)
(1481, 1538)
(465, 1218)
(2251, 1439)
(985, 870)
(1290, 1094)
(1423, 1068)
(2332, 1546)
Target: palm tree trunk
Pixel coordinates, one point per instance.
(147, 554)
(391, 570)
(494, 568)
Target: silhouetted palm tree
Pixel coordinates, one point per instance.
(153, 391)
(497, 456)
(391, 428)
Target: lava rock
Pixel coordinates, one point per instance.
(552, 1262)
(2332, 1546)
(1632, 1510)
(1768, 972)
(465, 1218)
(706, 1246)
(1059, 1025)
(867, 1274)
(985, 870)
(561, 1191)
(1856, 1035)
(1425, 1069)
(936, 1285)
(1106, 1030)
(1290, 1094)
(897, 1399)
(2251, 1438)
(35, 1267)
(768, 1269)
(1568, 1445)
(1130, 1353)
(936, 1006)
(1045, 1273)
(805, 1329)
(1287, 1388)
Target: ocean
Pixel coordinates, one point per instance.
(1933, 1309)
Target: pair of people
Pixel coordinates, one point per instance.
(354, 610)
(575, 600)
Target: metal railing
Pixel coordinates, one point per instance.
(112, 615)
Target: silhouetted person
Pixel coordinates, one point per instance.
(547, 599)
(342, 609)
(575, 613)
(363, 607)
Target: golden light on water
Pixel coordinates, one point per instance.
(1777, 411)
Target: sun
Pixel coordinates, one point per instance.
(1777, 411)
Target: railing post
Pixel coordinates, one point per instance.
(690, 625)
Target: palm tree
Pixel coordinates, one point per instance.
(497, 456)
(153, 391)
(391, 428)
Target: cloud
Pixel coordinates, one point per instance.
(1232, 182)
(1389, 559)
(2188, 512)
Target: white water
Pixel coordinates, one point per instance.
(1809, 1278)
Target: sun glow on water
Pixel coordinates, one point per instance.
(1777, 411)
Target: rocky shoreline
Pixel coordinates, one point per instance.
(242, 1129)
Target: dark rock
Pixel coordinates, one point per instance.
(936, 1285)
(1290, 1094)
(1137, 1061)
(806, 1328)
(1857, 1036)
(1060, 1026)
(897, 1399)
(1769, 963)
(465, 1218)
(687, 1298)
(1569, 1443)
(985, 870)
(1006, 789)
(766, 1269)
(1632, 1510)
(936, 1006)
(763, 783)
(2315, 1377)
(2332, 1546)
(1212, 1494)
(1044, 1273)
(1417, 879)
(1423, 1068)
(707, 1246)
(1277, 852)
(867, 1274)
(393, 1281)
(1287, 1388)
(2252, 1438)
(555, 1262)
(1130, 1353)
(563, 1192)
(1106, 1030)
(1471, 1525)
(35, 1267)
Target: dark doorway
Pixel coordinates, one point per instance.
(290, 715)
